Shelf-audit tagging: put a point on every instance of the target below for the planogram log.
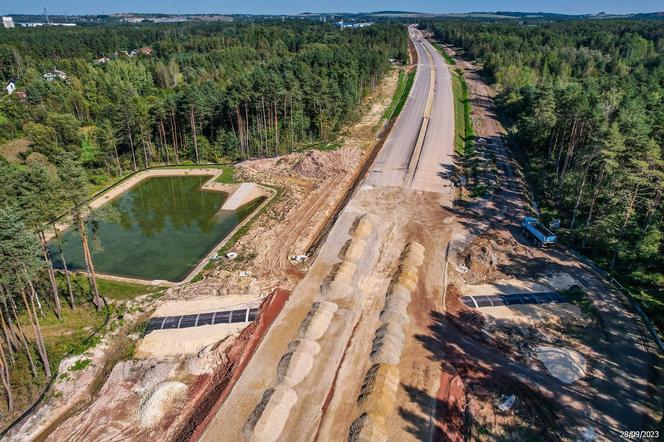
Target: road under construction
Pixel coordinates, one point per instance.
(331, 363)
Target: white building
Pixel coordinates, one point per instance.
(7, 22)
(11, 87)
(52, 75)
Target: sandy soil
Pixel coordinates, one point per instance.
(184, 341)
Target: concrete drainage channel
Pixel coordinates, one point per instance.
(213, 318)
(513, 299)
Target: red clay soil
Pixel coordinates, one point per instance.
(450, 405)
(212, 390)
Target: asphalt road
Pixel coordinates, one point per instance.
(435, 160)
(434, 167)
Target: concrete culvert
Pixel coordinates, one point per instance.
(363, 228)
(369, 427)
(396, 316)
(318, 320)
(294, 367)
(267, 421)
(355, 250)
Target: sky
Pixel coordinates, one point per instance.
(76, 7)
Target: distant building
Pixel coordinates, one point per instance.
(344, 25)
(8, 22)
(11, 87)
(55, 74)
(102, 60)
(145, 51)
(21, 95)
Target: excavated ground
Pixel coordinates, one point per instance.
(169, 397)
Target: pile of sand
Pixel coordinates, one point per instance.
(355, 250)
(559, 281)
(295, 365)
(267, 421)
(363, 228)
(317, 320)
(312, 164)
(369, 427)
(159, 401)
(562, 363)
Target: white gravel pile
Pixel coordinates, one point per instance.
(159, 401)
(562, 363)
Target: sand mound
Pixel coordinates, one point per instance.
(379, 389)
(407, 281)
(396, 302)
(415, 247)
(158, 401)
(294, 367)
(369, 427)
(399, 292)
(412, 260)
(564, 364)
(391, 329)
(318, 320)
(345, 271)
(559, 281)
(267, 421)
(355, 250)
(363, 228)
(386, 349)
(396, 316)
(336, 289)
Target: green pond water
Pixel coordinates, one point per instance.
(165, 227)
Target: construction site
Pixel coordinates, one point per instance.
(372, 299)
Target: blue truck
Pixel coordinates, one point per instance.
(540, 235)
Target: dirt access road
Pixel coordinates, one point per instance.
(622, 390)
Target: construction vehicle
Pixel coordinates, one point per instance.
(540, 235)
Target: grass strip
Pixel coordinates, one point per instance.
(410, 78)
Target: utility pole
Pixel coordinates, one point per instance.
(46, 15)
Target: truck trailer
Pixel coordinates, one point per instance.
(540, 235)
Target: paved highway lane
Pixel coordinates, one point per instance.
(391, 164)
(434, 161)
(434, 167)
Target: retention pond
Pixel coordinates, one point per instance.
(163, 227)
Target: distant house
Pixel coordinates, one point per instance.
(102, 60)
(11, 87)
(133, 53)
(55, 74)
(7, 22)
(145, 51)
(353, 25)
